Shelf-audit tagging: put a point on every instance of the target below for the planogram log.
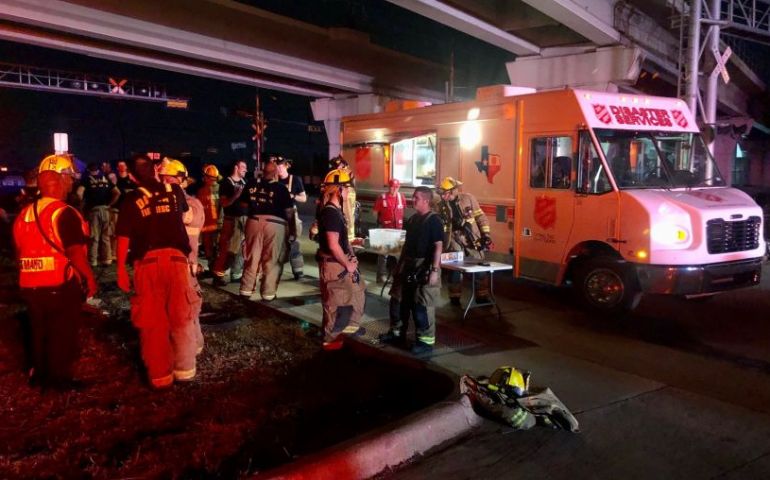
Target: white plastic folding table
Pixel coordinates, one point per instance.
(475, 267)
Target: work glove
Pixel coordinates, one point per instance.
(486, 242)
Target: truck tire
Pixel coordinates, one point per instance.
(605, 285)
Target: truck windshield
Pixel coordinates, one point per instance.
(658, 159)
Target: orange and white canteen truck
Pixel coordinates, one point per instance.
(616, 194)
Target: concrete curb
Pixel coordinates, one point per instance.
(372, 453)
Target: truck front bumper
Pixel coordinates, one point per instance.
(697, 279)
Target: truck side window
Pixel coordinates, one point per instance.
(551, 163)
(591, 175)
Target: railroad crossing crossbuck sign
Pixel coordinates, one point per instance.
(721, 67)
(117, 87)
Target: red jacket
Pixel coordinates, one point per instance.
(41, 264)
(390, 210)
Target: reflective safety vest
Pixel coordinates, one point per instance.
(40, 264)
(390, 210)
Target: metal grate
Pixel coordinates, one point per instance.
(723, 236)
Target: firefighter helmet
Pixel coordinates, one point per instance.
(172, 167)
(337, 162)
(338, 177)
(211, 171)
(58, 163)
(449, 183)
(509, 380)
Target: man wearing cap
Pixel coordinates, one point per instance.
(208, 195)
(270, 225)
(466, 229)
(98, 194)
(55, 278)
(298, 195)
(342, 287)
(389, 208)
(150, 225)
(230, 254)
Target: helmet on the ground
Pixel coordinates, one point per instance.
(509, 380)
(338, 177)
(58, 164)
(211, 171)
(172, 167)
(449, 183)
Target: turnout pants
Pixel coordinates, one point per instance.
(296, 260)
(265, 249)
(409, 298)
(162, 309)
(343, 300)
(230, 247)
(54, 325)
(100, 248)
(455, 278)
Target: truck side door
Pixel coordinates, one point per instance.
(545, 205)
(596, 203)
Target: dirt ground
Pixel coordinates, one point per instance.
(266, 394)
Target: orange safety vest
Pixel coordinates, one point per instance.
(40, 264)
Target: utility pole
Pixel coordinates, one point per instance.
(259, 125)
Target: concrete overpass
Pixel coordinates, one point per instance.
(600, 44)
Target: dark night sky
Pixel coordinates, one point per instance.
(105, 129)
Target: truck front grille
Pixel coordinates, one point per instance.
(723, 236)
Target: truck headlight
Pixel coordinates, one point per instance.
(670, 234)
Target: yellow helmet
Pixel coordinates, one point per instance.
(449, 183)
(58, 164)
(172, 167)
(338, 176)
(211, 171)
(510, 381)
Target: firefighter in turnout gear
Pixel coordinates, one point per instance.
(417, 279)
(208, 194)
(174, 172)
(55, 277)
(389, 208)
(151, 226)
(230, 254)
(342, 287)
(270, 229)
(298, 195)
(466, 229)
(98, 194)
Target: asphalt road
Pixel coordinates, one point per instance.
(677, 389)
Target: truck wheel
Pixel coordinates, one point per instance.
(605, 285)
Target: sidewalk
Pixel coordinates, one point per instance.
(652, 412)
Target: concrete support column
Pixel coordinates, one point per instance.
(332, 110)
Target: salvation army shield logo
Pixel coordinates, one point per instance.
(602, 113)
(545, 212)
(679, 118)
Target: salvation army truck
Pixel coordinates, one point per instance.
(616, 194)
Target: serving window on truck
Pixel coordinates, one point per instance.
(551, 162)
(414, 160)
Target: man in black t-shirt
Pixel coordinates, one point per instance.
(98, 194)
(230, 254)
(342, 287)
(151, 226)
(269, 227)
(298, 195)
(417, 281)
